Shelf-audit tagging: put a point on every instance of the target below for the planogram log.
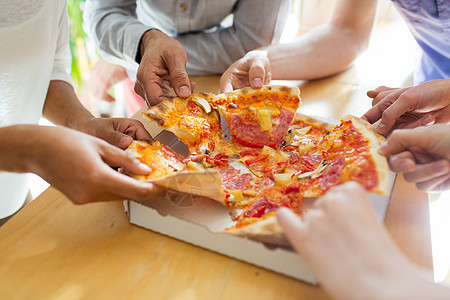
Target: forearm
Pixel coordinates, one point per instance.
(408, 283)
(323, 51)
(19, 146)
(329, 48)
(113, 27)
(62, 106)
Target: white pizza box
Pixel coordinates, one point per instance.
(199, 221)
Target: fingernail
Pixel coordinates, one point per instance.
(125, 141)
(257, 82)
(144, 167)
(184, 91)
(428, 120)
(382, 149)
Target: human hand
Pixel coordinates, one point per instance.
(163, 66)
(420, 105)
(422, 155)
(343, 243)
(79, 166)
(119, 132)
(103, 77)
(251, 70)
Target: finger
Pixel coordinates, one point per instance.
(118, 158)
(429, 171)
(382, 101)
(178, 76)
(401, 140)
(402, 163)
(151, 87)
(125, 187)
(375, 92)
(117, 138)
(443, 116)
(435, 184)
(401, 102)
(420, 157)
(444, 186)
(226, 87)
(426, 120)
(257, 75)
(140, 133)
(140, 91)
(374, 114)
(293, 227)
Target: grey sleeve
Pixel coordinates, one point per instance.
(256, 23)
(113, 27)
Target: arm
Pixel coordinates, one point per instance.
(63, 107)
(422, 155)
(351, 254)
(113, 27)
(123, 40)
(410, 107)
(76, 164)
(323, 51)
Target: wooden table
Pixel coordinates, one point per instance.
(53, 249)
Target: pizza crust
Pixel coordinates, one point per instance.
(314, 121)
(295, 91)
(157, 112)
(266, 231)
(375, 140)
(205, 183)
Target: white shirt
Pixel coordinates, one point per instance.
(34, 49)
(116, 27)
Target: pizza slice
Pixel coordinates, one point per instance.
(171, 170)
(259, 117)
(195, 121)
(347, 153)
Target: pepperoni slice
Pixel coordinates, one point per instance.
(248, 133)
(331, 175)
(286, 117)
(260, 207)
(237, 182)
(228, 172)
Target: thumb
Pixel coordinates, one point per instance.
(397, 142)
(119, 158)
(256, 76)
(118, 139)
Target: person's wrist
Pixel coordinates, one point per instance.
(25, 144)
(148, 37)
(391, 282)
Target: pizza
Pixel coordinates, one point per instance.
(258, 118)
(275, 158)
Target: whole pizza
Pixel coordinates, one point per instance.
(271, 157)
